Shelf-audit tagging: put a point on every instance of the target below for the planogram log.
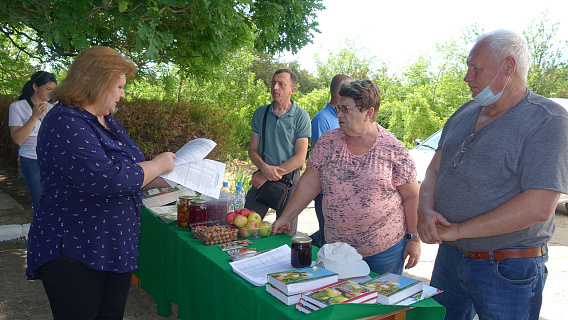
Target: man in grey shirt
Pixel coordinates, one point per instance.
(490, 192)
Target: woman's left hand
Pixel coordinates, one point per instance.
(412, 251)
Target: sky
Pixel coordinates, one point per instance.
(399, 31)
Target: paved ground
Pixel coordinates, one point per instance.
(22, 299)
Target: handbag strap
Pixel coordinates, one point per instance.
(262, 138)
(289, 176)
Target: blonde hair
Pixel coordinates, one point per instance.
(90, 74)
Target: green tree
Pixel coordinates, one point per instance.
(188, 33)
(15, 68)
(349, 60)
(548, 74)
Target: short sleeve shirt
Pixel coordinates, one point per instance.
(20, 112)
(361, 204)
(524, 148)
(91, 201)
(281, 132)
(325, 119)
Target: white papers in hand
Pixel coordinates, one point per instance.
(204, 176)
(193, 171)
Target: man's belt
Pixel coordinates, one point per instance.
(500, 255)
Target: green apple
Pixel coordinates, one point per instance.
(265, 229)
(253, 216)
(337, 299)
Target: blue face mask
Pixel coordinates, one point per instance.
(486, 97)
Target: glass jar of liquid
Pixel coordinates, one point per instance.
(301, 254)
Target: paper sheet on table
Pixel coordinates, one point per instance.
(255, 269)
(204, 176)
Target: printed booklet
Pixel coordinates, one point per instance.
(392, 288)
(344, 291)
(301, 280)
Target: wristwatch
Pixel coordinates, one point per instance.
(411, 236)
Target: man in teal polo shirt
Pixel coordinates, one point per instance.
(288, 130)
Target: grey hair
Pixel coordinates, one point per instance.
(504, 43)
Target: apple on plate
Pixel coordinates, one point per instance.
(240, 220)
(265, 229)
(244, 211)
(253, 216)
(230, 217)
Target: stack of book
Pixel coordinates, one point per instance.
(287, 286)
(392, 288)
(344, 291)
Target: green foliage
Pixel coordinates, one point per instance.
(15, 67)
(313, 101)
(548, 74)
(348, 60)
(160, 126)
(194, 34)
(243, 175)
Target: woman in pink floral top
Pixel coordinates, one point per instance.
(369, 184)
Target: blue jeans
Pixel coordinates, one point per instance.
(30, 172)
(508, 289)
(389, 260)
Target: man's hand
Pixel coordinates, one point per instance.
(258, 179)
(448, 233)
(428, 222)
(273, 173)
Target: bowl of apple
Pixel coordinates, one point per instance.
(250, 224)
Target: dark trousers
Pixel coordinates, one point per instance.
(77, 292)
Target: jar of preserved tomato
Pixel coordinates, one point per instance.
(301, 254)
(197, 211)
(183, 204)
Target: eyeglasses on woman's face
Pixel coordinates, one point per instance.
(344, 108)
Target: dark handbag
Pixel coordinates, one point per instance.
(274, 193)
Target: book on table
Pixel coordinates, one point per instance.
(343, 291)
(307, 307)
(392, 288)
(427, 292)
(287, 299)
(302, 279)
(160, 196)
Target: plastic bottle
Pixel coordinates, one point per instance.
(226, 194)
(239, 201)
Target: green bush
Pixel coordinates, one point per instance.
(159, 126)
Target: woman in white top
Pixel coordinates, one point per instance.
(24, 121)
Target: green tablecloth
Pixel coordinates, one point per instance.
(175, 267)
